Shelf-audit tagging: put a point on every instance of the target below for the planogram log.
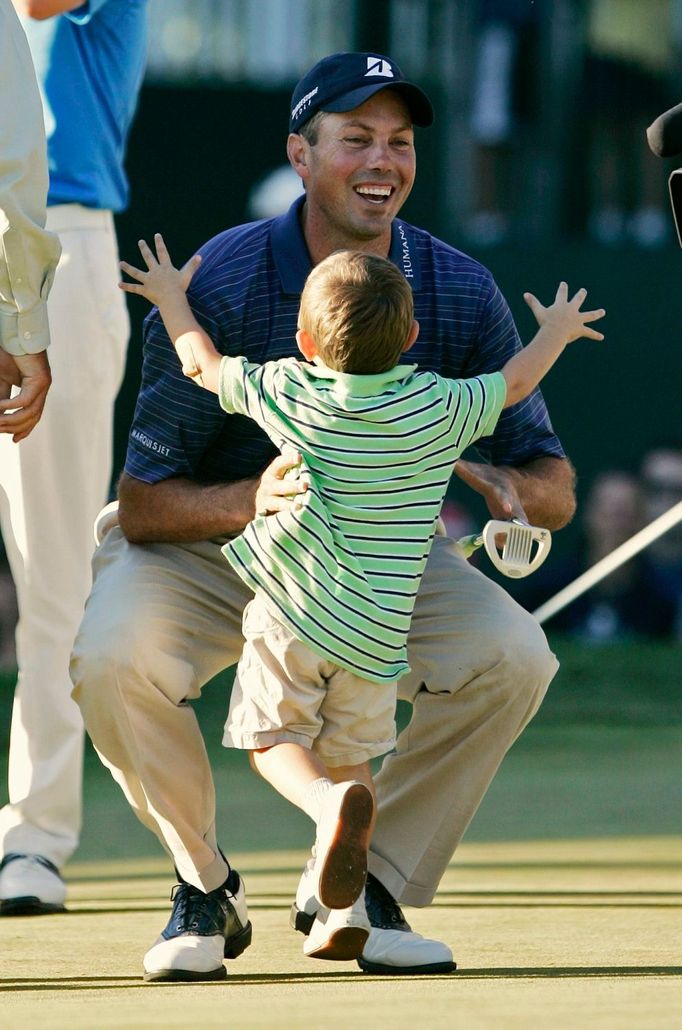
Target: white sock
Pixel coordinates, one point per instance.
(313, 796)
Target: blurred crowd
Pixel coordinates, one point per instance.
(628, 73)
(642, 598)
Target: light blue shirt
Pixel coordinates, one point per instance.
(89, 63)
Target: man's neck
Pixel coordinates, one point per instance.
(322, 239)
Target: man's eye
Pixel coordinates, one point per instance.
(402, 143)
(357, 140)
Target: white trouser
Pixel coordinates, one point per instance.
(51, 487)
(163, 619)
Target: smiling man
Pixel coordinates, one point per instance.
(165, 612)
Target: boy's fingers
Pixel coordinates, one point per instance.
(131, 288)
(161, 248)
(134, 273)
(562, 291)
(592, 316)
(190, 267)
(146, 253)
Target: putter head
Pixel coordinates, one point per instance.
(524, 549)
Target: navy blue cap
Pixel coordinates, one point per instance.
(342, 82)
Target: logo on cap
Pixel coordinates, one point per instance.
(377, 66)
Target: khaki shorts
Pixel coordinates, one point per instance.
(284, 692)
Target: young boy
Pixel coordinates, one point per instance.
(335, 577)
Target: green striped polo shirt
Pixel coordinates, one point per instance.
(342, 569)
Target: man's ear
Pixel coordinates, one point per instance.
(306, 345)
(297, 154)
(414, 333)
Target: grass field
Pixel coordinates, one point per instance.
(562, 906)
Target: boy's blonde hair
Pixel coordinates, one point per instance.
(358, 310)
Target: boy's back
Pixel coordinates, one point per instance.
(342, 570)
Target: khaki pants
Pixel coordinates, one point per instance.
(162, 619)
(51, 487)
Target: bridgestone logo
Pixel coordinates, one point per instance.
(303, 102)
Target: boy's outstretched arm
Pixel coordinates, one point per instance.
(560, 324)
(166, 286)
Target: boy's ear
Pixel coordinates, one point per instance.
(414, 333)
(306, 344)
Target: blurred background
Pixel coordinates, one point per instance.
(537, 165)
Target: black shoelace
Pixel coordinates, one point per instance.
(382, 908)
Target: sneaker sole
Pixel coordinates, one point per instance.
(184, 976)
(434, 969)
(343, 874)
(343, 945)
(29, 906)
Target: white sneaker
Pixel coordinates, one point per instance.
(393, 947)
(338, 934)
(341, 845)
(202, 930)
(405, 952)
(30, 885)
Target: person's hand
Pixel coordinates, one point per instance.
(275, 492)
(565, 315)
(496, 487)
(162, 281)
(31, 373)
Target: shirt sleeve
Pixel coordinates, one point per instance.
(246, 388)
(478, 404)
(28, 253)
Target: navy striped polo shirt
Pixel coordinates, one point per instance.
(246, 295)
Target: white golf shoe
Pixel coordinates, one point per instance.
(202, 930)
(391, 948)
(30, 885)
(340, 869)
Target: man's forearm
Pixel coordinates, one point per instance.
(181, 511)
(546, 489)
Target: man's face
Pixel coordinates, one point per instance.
(360, 171)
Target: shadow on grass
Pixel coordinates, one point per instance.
(99, 983)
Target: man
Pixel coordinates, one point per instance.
(28, 252)
(165, 612)
(89, 61)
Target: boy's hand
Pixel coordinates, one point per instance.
(565, 315)
(162, 281)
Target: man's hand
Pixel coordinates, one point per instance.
(495, 487)
(542, 492)
(277, 491)
(31, 373)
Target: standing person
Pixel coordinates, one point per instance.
(28, 252)
(89, 60)
(165, 615)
